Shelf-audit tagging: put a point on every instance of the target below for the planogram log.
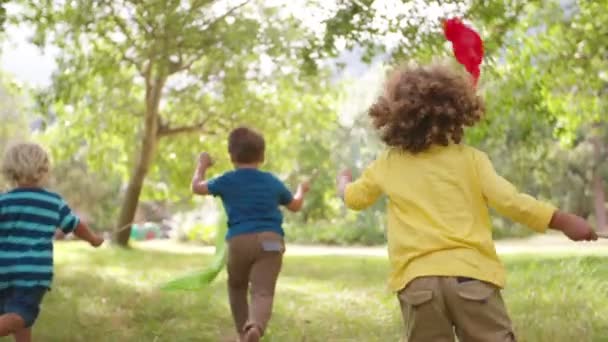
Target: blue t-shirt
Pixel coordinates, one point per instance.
(251, 199)
(28, 220)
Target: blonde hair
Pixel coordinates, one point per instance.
(26, 163)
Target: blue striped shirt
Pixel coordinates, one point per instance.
(28, 220)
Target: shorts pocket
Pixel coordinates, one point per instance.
(416, 298)
(271, 242)
(417, 307)
(477, 291)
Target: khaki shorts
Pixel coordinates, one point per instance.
(439, 309)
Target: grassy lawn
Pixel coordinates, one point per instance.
(111, 295)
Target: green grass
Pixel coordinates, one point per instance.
(111, 295)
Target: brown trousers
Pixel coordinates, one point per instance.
(253, 258)
(438, 308)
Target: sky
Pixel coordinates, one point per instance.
(26, 62)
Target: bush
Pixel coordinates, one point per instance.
(505, 229)
(366, 229)
(200, 226)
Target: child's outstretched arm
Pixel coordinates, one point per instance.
(70, 223)
(344, 178)
(83, 232)
(363, 192)
(199, 184)
(508, 201)
(298, 199)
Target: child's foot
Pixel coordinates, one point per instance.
(253, 334)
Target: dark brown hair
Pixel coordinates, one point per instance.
(246, 146)
(425, 106)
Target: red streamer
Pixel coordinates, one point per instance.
(466, 44)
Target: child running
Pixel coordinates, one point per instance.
(444, 266)
(29, 217)
(251, 200)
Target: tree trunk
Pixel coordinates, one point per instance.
(143, 162)
(599, 197)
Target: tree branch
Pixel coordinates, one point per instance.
(124, 30)
(166, 130)
(186, 65)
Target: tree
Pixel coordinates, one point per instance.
(538, 101)
(412, 29)
(570, 48)
(13, 116)
(537, 105)
(137, 79)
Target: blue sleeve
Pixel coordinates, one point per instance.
(285, 196)
(217, 185)
(67, 220)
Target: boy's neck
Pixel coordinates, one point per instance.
(247, 166)
(28, 186)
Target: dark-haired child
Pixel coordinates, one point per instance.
(444, 266)
(251, 199)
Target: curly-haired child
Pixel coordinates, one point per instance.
(251, 198)
(444, 266)
(29, 217)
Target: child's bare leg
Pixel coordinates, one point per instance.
(10, 323)
(23, 335)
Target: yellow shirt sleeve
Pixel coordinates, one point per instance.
(365, 191)
(508, 201)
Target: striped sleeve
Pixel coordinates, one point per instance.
(67, 220)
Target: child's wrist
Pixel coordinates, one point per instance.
(558, 220)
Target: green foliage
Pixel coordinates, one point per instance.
(137, 82)
(13, 116)
(544, 80)
(364, 229)
(413, 29)
(218, 68)
(92, 195)
(541, 114)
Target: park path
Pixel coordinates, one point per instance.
(543, 244)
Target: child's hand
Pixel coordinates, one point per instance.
(204, 160)
(304, 187)
(96, 241)
(345, 176)
(574, 227)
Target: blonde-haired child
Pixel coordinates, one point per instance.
(29, 217)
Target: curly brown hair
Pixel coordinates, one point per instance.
(426, 105)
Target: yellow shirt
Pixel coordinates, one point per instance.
(438, 219)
